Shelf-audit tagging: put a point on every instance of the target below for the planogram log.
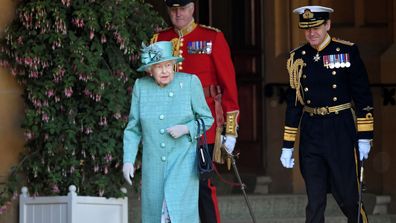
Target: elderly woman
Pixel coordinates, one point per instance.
(164, 109)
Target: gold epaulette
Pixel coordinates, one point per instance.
(165, 29)
(154, 38)
(297, 48)
(345, 42)
(210, 27)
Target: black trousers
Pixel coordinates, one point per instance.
(208, 206)
(329, 164)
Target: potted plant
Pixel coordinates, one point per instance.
(75, 60)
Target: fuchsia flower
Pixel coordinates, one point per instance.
(66, 3)
(101, 192)
(91, 35)
(108, 158)
(103, 121)
(45, 117)
(68, 92)
(103, 39)
(50, 93)
(28, 135)
(55, 188)
(78, 22)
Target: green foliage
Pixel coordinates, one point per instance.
(75, 60)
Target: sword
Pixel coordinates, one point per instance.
(243, 186)
(360, 190)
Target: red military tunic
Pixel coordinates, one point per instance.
(207, 55)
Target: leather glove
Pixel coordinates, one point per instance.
(287, 157)
(229, 143)
(364, 148)
(128, 171)
(177, 130)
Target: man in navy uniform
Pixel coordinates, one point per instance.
(206, 54)
(330, 102)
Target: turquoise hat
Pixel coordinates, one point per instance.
(156, 53)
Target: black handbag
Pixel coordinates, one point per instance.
(205, 165)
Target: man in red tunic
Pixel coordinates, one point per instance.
(207, 55)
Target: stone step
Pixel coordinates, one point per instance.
(332, 219)
(290, 205)
(281, 209)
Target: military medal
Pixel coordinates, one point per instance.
(199, 47)
(342, 59)
(326, 61)
(337, 61)
(332, 61)
(347, 63)
(316, 57)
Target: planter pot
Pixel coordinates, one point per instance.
(72, 209)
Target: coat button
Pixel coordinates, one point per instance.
(306, 89)
(162, 145)
(162, 131)
(161, 117)
(335, 99)
(180, 67)
(163, 158)
(334, 86)
(170, 94)
(334, 72)
(308, 101)
(304, 76)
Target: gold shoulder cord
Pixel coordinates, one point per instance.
(294, 68)
(176, 46)
(154, 38)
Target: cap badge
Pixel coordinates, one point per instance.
(308, 14)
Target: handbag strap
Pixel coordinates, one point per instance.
(201, 122)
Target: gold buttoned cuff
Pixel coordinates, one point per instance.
(232, 123)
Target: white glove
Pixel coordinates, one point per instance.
(177, 130)
(229, 143)
(364, 148)
(286, 157)
(128, 171)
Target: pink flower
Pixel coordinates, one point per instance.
(68, 92)
(101, 192)
(103, 39)
(108, 158)
(117, 115)
(44, 117)
(55, 189)
(78, 22)
(66, 3)
(103, 121)
(50, 93)
(28, 135)
(91, 35)
(106, 171)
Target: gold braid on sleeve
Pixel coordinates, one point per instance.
(294, 68)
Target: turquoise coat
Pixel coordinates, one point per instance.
(169, 166)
